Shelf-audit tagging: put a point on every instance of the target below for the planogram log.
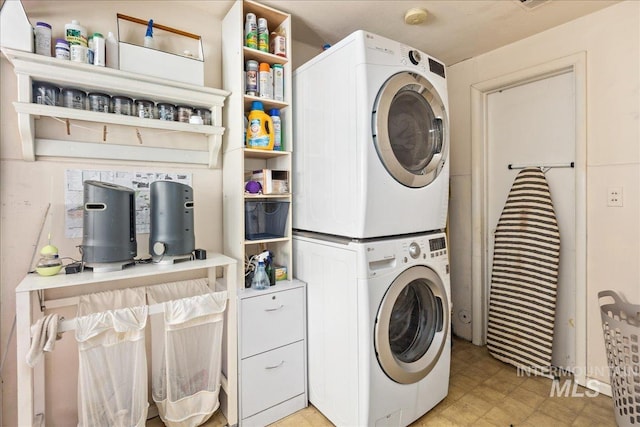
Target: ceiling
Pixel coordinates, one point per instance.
(455, 30)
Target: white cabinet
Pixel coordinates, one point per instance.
(272, 351)
(30, 67)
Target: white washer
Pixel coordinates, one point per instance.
(371, 140)
(379, 344)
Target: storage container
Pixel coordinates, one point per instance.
(74, 98)
(172, 65)
(205, 113)
(145, 109)
(45, 94)
(100, 102)
(265, 219)
(184, 113)
(122, 105)
(166, 111)
(621, 328)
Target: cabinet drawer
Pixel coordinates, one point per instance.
(271, 320)
(271, 378)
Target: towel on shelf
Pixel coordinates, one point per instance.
(44, 334)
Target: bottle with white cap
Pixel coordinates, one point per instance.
(263, 35)
(111, 50)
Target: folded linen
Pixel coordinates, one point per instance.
(44, 334)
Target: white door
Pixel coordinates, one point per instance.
(534, 124)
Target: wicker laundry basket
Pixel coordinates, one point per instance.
(621, 326)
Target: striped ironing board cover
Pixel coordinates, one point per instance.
(524, 279)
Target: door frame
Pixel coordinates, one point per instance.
(480, 260)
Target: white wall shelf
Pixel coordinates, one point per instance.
(30, 296)
(30, 67)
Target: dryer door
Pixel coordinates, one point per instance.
(410, 129)
(412, 325)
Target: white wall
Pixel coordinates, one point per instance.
(611, 40)
(28, 187)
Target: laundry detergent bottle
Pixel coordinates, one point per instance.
(260, 133)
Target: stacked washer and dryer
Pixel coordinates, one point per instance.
(369, 213)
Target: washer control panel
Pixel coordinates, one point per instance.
(438, 246)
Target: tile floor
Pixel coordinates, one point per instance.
(486, 392)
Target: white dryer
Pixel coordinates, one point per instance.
(379, 345)
(371, 134)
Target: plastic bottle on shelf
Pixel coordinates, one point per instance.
(260, 278)
(148, 37)
(263, 35)
(99, 50)
(278, 43)
(265, 81)
(90, 50)
(277, 129)
(111, 50)
(251, 31)
(75, 33)
(260, 129)
(43, 38)
(278, 82)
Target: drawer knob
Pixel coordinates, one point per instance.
(275, 366)
(274, 309)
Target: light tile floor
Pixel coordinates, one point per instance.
(486, 392)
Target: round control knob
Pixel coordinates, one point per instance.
(159, 248)
(414, 250)
(414, 57)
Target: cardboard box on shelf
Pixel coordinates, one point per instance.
(280, 272)
(272, 181)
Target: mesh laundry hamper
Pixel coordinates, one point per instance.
(187, 351)
(621, 325)
(112, 372)
(112, 377)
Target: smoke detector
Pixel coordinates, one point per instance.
(415, 16)
(531, 4)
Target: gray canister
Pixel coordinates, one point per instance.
(171, 225)
(109, 223)
(251, 79)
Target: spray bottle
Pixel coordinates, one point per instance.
(148, 37)
(260, 279)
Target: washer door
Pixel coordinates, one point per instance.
(410, 129)
(412, 325)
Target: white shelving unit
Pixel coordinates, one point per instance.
(30, 67)
(237, 158)
(31, 295)
(254, 365)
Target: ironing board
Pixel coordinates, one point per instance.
(524, 279)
